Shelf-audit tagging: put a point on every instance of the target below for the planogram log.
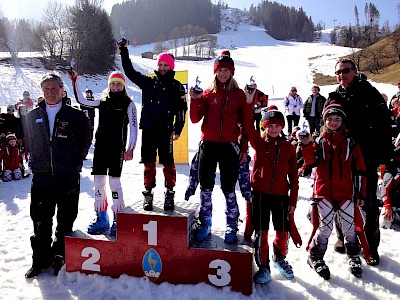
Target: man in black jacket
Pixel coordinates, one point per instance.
(370, 124)
(313, 109)
(58, 139)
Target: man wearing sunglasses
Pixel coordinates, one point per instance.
(370, 124)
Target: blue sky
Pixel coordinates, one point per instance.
(328, 10)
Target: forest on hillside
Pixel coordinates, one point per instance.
(85, 32)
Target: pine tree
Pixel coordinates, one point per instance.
(93, 44)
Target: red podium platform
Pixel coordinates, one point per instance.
(159, 245)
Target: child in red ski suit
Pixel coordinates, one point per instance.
(275, 184)
(11, 157)
(339, 188)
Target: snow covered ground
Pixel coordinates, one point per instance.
(276, 66)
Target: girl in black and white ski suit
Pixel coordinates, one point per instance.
(116, 111)
(339, 188)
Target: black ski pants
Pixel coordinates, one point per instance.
(49, 191)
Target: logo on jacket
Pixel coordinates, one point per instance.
(152, 264)
(62, 131)
(214, 101)
(40, 120)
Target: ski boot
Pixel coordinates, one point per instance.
(33, 271)
(320, 267)
(100, 225)
(113, 229)
(373, 259)
(284, 268)
(262, 276)
(355, 266)
(230, 232)
(204, 230)
(148, 200)
(58, 262)
(169, 200)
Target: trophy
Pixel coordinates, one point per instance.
(70, 67)
(304, 131)
(197, 89)
(122, 41)
(250, 87)
(89, 95)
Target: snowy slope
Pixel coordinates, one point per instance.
(275, 66)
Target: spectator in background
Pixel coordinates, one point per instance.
(385, 97)
(293, 136)
(66, 98)
(21, 133)
(3, 130)
(40, 99)
(293, 103)
(313, 109)
(11, 157)
(260, 100)
(12, 122)
(26, 100)
(396, 95)
(396, 106)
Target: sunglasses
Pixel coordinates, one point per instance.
(344, 71)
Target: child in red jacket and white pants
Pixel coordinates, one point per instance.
(275, 184)
(338, 189)
(12, 159)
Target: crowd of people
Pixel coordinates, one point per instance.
(334, 148)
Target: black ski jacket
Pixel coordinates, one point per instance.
(69, 142)
(163, 97)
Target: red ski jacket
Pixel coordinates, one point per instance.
(221, 112)
(12, 157)
(275, 167)
(340, 167)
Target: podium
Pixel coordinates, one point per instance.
(160, 245)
